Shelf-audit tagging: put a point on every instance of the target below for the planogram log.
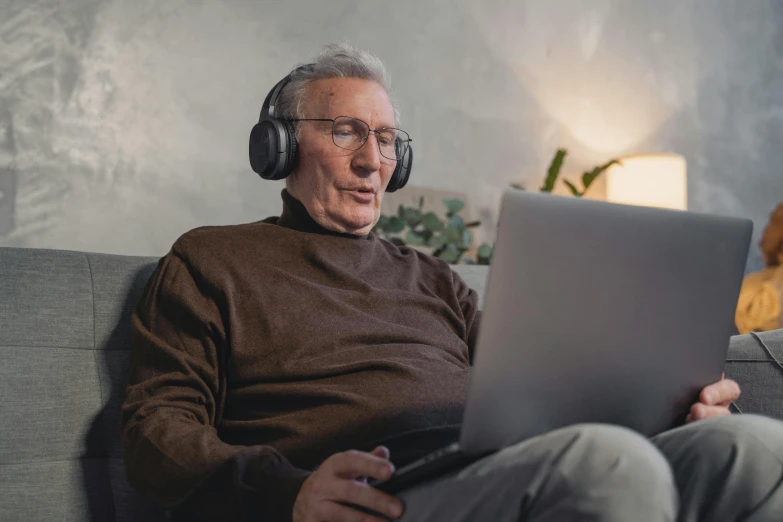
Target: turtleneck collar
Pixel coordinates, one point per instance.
(296, 217)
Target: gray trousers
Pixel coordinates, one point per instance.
(727, 468)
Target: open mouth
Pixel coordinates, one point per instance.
(363, 195)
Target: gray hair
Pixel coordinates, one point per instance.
(335, 61)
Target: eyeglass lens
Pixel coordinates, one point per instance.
(350, 133)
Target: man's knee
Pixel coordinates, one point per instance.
(586, 455)
(598, 468)
(599, 449)
(738, 439)
(740, 456)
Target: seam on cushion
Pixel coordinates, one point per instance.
(54, 461)
(104, 405)
(92, 297)
(50, 347)
(750, 360)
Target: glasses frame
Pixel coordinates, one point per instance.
(404, 142)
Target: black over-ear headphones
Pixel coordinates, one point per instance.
(273, 143)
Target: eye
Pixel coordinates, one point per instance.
(346, 129)
(386, 138)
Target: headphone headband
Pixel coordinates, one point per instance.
(270, 102)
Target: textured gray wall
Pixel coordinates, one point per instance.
(124, 124)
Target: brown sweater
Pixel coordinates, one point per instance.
(261, 349)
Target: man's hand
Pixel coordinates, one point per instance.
(714, 400)
(341, 480)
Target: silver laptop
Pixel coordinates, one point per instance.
(594, 312)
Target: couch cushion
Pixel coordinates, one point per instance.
(759, 376)
(64, 341)
(73, 490)
(113, 369)
(46, 299)
(51, 398)
(117, 284)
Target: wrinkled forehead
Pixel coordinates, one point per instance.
(354, 97)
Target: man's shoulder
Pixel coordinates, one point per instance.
(221, 240)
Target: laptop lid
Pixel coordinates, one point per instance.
(599, 312)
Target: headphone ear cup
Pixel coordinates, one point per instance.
(264, 145)
(402, 171)
(272, 149)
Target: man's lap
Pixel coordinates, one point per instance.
(559, 463)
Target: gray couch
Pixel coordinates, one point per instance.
(64, 346)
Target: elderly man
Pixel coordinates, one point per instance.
(278, 364)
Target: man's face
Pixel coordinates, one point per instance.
(327, 178)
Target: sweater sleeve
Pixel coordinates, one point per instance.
(173, 403)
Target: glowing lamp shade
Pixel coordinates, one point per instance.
(649, 180)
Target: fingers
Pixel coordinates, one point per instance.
(353, 464)
(721, 393)
(349, 486)
(379, 451)
(701, 411)
(368, 497)
(337, 490)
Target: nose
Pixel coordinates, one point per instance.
(368, 157)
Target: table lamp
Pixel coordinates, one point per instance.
(650, 180)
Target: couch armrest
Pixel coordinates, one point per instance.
(759, 376)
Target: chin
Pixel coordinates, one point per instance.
(361, 229)
(358, 226)
(361, 218)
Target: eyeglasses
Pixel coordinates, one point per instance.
(351, 134)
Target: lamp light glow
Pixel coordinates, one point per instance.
(651, 180)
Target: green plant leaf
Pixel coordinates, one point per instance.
(467, 238)
(437, 241)
(554, 170)
(450, 254)
(456, 221)
(572, 187)
(450, 235)
(397, 241)
(411, 216)
(432, 222)
(395, 225)
(454, 205)
(421, 202)
(485, 251)
(414, 238)
(517, 186)
(401, 211)
(589, 177)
